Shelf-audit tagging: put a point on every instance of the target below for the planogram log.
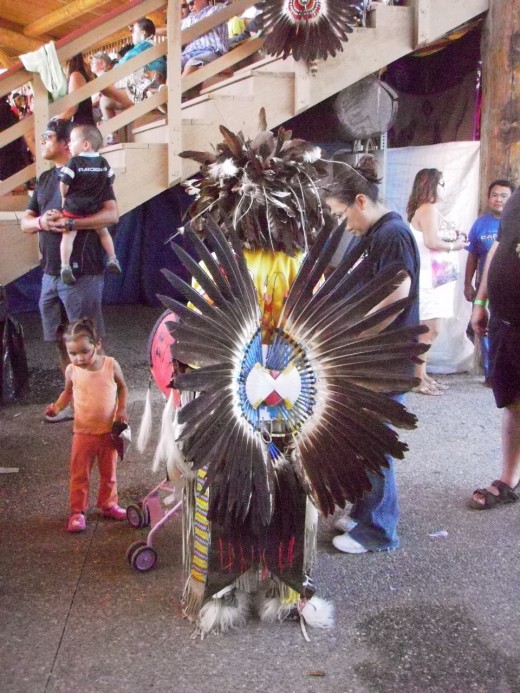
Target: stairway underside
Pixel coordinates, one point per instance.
(283, 87)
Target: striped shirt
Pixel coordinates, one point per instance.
(215, 40)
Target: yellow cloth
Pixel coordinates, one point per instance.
(236, 26)
(95, 398)
(273, 274)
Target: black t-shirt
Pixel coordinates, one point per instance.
(84, 114)
(87, 252)
(390, 242)
(504, 271)
(88, 177)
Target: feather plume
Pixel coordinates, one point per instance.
(265, 189)
(145, 428)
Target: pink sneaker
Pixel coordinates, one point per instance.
(76, 523)
(115, 512)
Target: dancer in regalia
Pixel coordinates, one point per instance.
(282, 414)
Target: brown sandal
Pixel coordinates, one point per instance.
(506, 495)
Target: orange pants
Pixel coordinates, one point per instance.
(86, 447)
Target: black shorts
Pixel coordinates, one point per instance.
(504, 359)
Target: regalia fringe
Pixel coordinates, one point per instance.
(145, 429)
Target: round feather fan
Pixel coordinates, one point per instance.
(309, 29)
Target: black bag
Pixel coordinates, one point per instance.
(14, 373)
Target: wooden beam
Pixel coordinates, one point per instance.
(18, 43)
(224, 62)
(81, 40)
(423, 10)
(17, 179)
(174, 124)
(6, 60)
(16, 131)
(19, 251)
(107, 78)
(41, 118)
(499, 129)
(61, 16)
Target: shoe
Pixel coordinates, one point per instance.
(115, 512)
(67, 276)
(66, 414)
(113, 266)
(438, 385)
(76, 523)
(345, 524)
(112, 139)
(427, 390)
(345, 543)
(505, 495)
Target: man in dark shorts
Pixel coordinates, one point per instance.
(501, 284)
(44, 217)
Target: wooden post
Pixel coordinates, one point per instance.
(173, 23)
(500, 124)
(422, 22)
(41, 118)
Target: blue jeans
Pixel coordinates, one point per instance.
(377, 513)
(81, 300)
(198, 57)
(484, 351)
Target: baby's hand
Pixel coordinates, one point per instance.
(50, 410)
(121, 416)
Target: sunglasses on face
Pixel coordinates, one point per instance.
(47, 136)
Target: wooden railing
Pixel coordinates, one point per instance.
(82, 41)
(427, 26)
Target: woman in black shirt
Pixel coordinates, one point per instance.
(78, 76)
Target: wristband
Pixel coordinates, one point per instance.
(480, 302)
(39, 224)
(69, 224)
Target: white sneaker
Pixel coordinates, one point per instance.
(345, 543)
(345, 524)
(66, 414)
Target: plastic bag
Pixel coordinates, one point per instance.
(14, 372)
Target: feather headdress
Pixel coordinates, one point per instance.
(267, 187)
(309, 29)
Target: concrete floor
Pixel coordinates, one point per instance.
(438, 615)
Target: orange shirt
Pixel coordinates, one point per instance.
(95, 398)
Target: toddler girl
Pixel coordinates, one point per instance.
(100, 395)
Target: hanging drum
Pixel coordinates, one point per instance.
(162, 365)
(366, 109)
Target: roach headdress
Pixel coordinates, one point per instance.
(267, 187)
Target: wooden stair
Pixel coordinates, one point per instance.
(283, 87)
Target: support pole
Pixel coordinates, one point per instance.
(500, 124)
